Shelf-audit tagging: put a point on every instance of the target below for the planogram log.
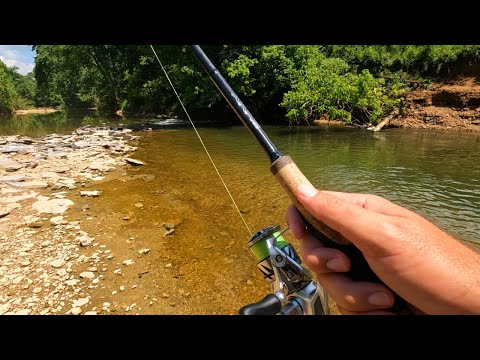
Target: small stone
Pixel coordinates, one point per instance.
(80, 302)
(62, 272)
(58, 263)
(95, 281)
(25, 263)
(143, 251)
(4, 212)
(114, 292)
(58, 220)
(165, 295)
(36, 224)
(90, 313)
(93, 193)
(117, 271)
(84, 240)
(76, 311)
(249, 282)
(87, 274)
(122, 288)
(169, 265)
(128, 262)
(139, 205)
(92, 268)
(134, 162)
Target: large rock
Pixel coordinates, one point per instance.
(12, 178)
(9, 164)
(54, 206)
(29, 184)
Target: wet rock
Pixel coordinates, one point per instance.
(54, 206)
(134, 162)
(93, 193)
(87, 274)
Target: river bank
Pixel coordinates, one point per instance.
(48, 264)
(35, 111)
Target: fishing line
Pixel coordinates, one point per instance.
(201, 141)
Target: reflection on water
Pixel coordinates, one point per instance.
(37, 125)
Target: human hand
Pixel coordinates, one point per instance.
(432, 271)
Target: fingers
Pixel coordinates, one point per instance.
(372, 202)
(356, 296)
(344, 311)
(360, 225)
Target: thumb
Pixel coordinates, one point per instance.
(353, 221)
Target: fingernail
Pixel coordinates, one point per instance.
(336, 264)
(306, 190)
(379, 299)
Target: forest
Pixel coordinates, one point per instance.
(278, 83)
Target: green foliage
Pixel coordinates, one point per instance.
(8, 94)
(298, 82)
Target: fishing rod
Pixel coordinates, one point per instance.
(294, 290)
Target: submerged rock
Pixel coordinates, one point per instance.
(134, 161)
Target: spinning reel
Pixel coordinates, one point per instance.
(294, 292)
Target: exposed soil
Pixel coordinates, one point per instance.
(451, 105)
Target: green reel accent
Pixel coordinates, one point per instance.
(260, 249)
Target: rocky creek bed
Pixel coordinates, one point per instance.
(48, 264)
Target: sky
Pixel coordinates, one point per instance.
(20, 56)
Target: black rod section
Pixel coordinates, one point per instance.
(237, 105)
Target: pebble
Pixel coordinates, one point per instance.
(75, 311)
(25, 263)
(80, 302)
(62, 272)
(87, 274)
(128, 262)
(92, 268)
(122, 288)
(143, 251)
(58, 263)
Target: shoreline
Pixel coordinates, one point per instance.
(35, 111)
(48, 263)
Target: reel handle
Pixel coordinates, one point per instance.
(269, 305)
(290, 176)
